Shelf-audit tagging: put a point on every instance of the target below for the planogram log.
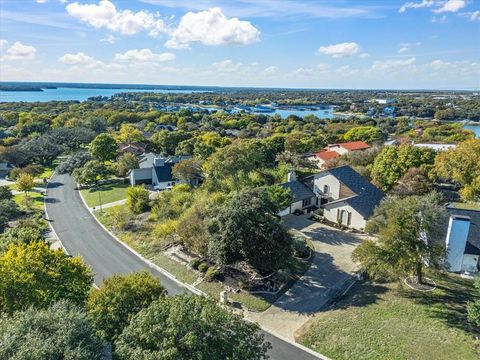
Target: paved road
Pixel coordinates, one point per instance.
(81, 235)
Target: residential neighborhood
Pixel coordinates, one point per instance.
(239, 180)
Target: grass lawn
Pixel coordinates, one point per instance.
(36, 200)
(109, 193)
(388, 322)
(141, 241)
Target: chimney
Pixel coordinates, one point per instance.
(457, 234)
(160, 161)
(291, 176)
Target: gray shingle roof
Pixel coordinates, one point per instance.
(164, 173)
(299, 190)
(367, 195)
(473, 240)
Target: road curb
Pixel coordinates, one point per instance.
(148, 262)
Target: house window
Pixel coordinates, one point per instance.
(344, 217)
(306, 202)
(326, 189)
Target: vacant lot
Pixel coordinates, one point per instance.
(389, 322)
(108, 193)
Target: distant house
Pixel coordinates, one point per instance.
(321, 158)
(5, 169)
(463, 240)
(136, 148)
(304, 198)
(156, 171)
(345, 196)
(436, 147)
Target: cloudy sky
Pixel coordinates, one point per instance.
(420, 44)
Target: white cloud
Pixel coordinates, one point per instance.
(450, 6)
(393, 66)
(440, 6)
(143, 55)
(3, 43)
(403, 50)
(19, 51)
(440, 20)
(41, 1)
(472, 16)
(77, 59)
(270, 70)
(212, 27)
(106, 15)
(227, 66)
(414, 5)
(340, 50)
(109, 39)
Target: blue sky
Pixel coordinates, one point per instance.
(419, 44)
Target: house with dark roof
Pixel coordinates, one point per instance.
(462, 240)
(321, 158)
(156, 170)
(345, 195)
(5, 169)
(303, 198)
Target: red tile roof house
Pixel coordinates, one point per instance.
(335, 150)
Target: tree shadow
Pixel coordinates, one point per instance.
(54, 185)
(332, 236)
(448, 302)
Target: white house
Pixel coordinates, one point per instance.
(304, 198)
(156, 170)
(463, 240)
(336, 150)
(346, 196)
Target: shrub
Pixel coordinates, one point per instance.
(203, 267)
(138, 199)
(243, 285)
(300, 248)
(212, 273)
(195, 263)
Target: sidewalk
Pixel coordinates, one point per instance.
(105, 206)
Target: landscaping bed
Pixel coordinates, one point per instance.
(391, 321)
(239, 283)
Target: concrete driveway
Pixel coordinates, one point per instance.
(331, 270)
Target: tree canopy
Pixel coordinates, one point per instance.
(190, 328)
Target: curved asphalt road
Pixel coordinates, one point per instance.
(81, 235)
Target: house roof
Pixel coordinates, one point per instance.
(473, 241)
(298, 189)
(367, 195)
(354, 145)
(327, 155)
(5, 166)
(164, 173)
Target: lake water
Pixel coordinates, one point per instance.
(321, 114)
(67, 93)
(474, 128)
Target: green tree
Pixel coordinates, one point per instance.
(165, 142)
(246, 228)
(280, 196)
(8, 211)
(394, 161)
(368, 134)
(91, 173)
(24, 234)
(473, 309)
(125, 163)
(414, 182)
(34, 275)
(190, 328)
(61, 331)
(5, 193)
(129, 134)
(409, 233)
(25, 183)
(138, 199)
(462, 165)
(103, 147)
(111, 307)
(187, 171)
